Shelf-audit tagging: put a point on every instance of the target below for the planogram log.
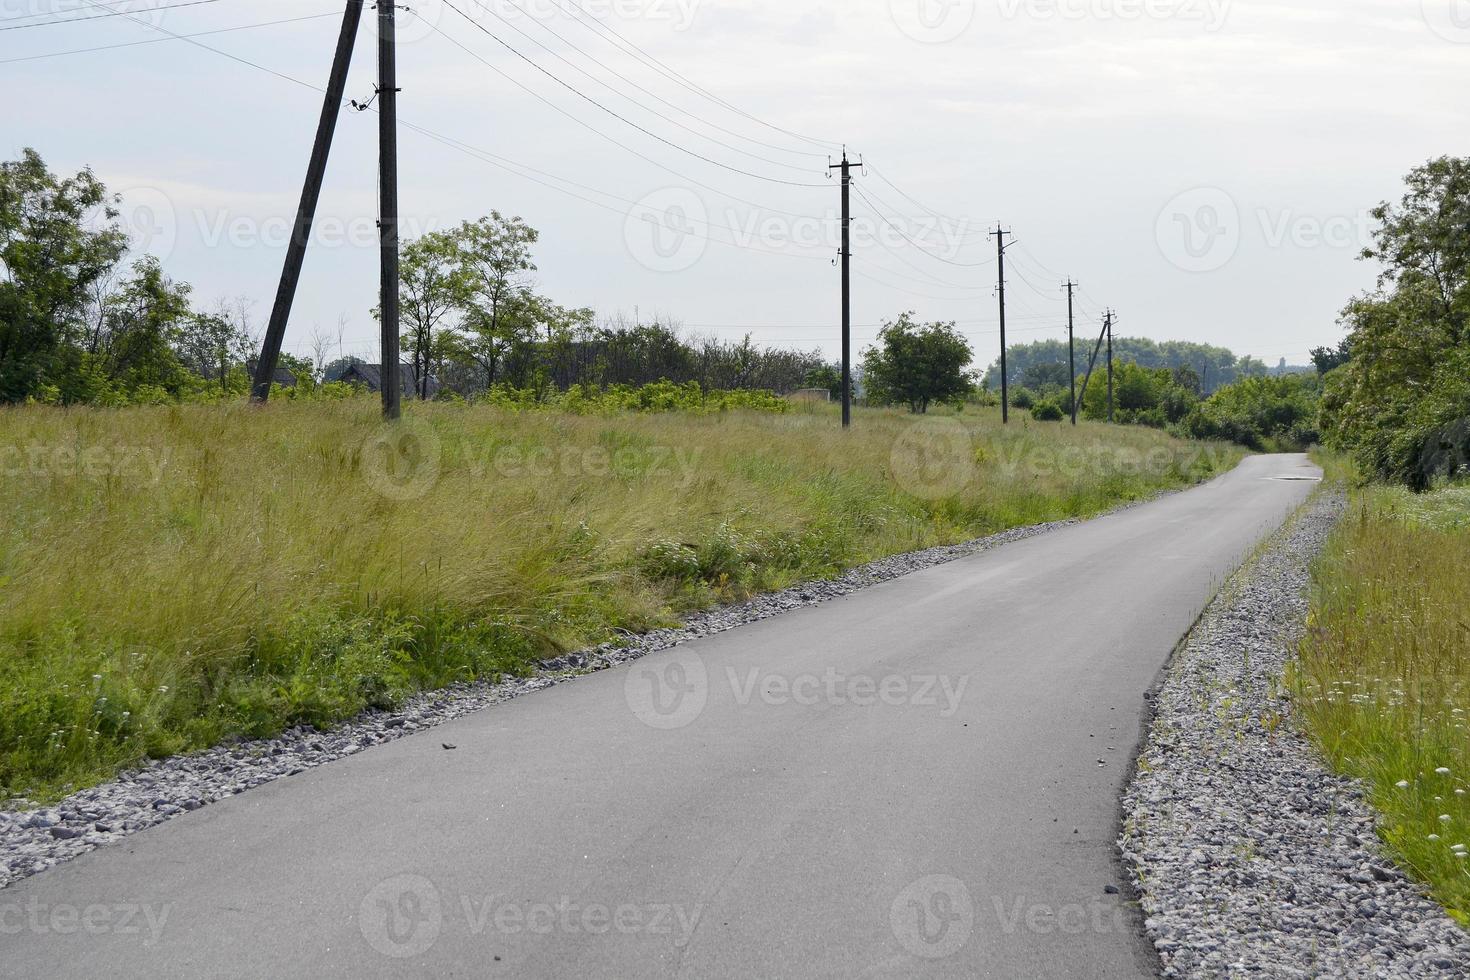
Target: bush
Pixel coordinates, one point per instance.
(1047, 411)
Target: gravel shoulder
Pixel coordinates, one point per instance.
(1249, 856)
(35, 839)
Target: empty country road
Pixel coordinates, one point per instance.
(920, 779)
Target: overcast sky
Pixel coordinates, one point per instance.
(1202, 166)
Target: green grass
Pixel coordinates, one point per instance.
(1383, 680)
(171, 577)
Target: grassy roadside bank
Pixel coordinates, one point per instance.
(1383, 680)
(174, 576)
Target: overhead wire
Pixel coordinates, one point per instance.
(589, 21)
(617, 115)
(613, 140)
(175, 37)
(77, 20)
(646, 91)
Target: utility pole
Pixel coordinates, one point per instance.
(846, 168)
(1071, 351)
(1000, 256)
(1108, 326)
(275, 331)
(388, 205)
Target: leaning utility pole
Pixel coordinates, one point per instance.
(846, 253)
(1000, 257)
(275, 331)
(1108, 326)
(388, 205)
(1071, 351)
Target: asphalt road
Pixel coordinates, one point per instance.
(918, 780)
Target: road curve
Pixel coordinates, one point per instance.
(920, 779)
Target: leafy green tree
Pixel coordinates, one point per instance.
(58, 240)
(827, 376)
(916, 365)
(494, 255)
(1400, 402)
(210, 345)
(434, 287)
(1326, 359)
(141, 323)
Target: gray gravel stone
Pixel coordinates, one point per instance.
(1250, 857)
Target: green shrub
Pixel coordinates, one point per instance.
(1047, 411)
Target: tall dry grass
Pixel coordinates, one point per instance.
(173, 576)
(1383, 680)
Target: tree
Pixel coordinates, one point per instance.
(58, 239)
(1327, 358)
(142, 322)
(209, 344)
(1425, 238)
(494, 256)
(1401, 400)
(434, 285)
(827, 376)
(916, 365)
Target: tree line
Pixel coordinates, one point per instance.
(85, 321)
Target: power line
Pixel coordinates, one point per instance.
(939, 215)
(113, 13)
(206, 47)
(174, 37)
(916, 243)
(651, 94)
(594, 130)
(618, 116)
(588, 21)
(502, 163)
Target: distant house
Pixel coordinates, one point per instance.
(370, 376)
(284, 377)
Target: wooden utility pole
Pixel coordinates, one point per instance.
(1071, 351)
(275, 331)
(1092, 363)
(388, 205)
(1108, 326)
(846, 168)
(1000, 257)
